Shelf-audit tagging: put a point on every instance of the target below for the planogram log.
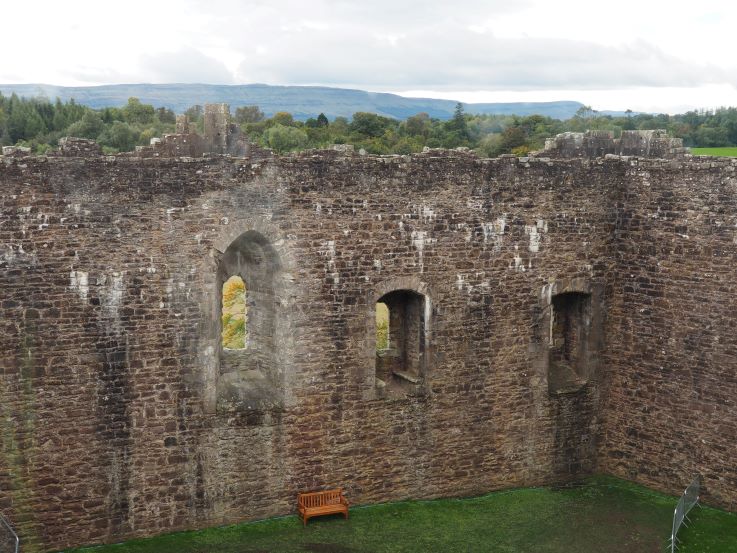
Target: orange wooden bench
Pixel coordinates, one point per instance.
(314, 504)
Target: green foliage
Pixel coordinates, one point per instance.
(370, 125)
(248, 114)
(711, 137)
(285, 139)
(120, 136)
(234, 331)
(417, 125)
(320, 122)
(457, 127)
(195, 113)
(134, 112)
(90, 126)
(24, 120)
(283, 118)
(165, 115)
(39, 123)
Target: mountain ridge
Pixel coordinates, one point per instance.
(301, 101)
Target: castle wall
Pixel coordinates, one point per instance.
(115, 419)
(122, 416)
(669, 409)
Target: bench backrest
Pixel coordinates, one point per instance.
(318, 499)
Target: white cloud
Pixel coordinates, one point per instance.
(184, 66)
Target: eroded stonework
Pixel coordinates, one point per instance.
(123, 416)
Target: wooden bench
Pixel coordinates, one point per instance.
(314, 504)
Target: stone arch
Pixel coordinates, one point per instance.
(257, 377)
(402, 368)
(572, 333)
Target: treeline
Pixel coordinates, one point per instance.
(39, 123)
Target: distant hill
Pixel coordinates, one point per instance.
(300, 101)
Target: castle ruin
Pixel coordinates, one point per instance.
(549, 317)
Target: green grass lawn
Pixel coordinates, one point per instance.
(724, 152)
(604, 515)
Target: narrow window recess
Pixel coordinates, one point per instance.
(400, 340)
(570, 332)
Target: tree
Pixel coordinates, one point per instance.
(417, 125)
(285, 139)
(457, 127)
(119, 136)
(512, 137)
(628, 124)
(340, 125)
(320, 123)
(90, 126)
(248, 114)
(165, 115)
(710, 137)
(370, 124)
(194, 113)
(584, 112)
(134, 112)
(283, 118)
(24, 122)
(109, 115)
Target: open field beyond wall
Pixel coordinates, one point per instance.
(604, 514)
(723, 152)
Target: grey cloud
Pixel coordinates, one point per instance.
(399, 45)
(378, 14)
(184, 66)
(449, 56)
(96, 75)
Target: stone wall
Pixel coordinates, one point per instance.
(671, 389)
(122, 416)
(596, 144)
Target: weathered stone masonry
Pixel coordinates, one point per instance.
(122, 416)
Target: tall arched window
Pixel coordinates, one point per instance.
(234, 314)
(250, 371)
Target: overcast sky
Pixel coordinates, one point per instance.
(638, 54)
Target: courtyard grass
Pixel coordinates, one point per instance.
(603, 514)
(722, 152)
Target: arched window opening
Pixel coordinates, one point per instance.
(234, 314)
(250, 371)
(400, 358)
